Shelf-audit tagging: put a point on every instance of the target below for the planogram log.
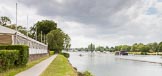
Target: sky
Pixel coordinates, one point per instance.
(101, 22)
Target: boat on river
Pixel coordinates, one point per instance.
(121, 53)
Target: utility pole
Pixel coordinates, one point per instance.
(16, 27)
(44, 39)
(36, 32)
(27, 25)
(41, 36)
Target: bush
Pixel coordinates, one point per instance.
(67, 55)
(51, 52)
(143, 53)
(8, 59)
(86, 73)
(23, 53)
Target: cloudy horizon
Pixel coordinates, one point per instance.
(101, 22)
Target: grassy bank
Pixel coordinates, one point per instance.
(60, 67)
(139, 53)
(14, 71)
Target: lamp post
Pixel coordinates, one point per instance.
(16, 26)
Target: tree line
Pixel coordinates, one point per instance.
(136, 47)
(45, 31)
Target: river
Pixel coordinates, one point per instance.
(103, 64)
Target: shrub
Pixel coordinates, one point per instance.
(143, 53)
(51, 52)
(67, 55)
(23, 53)
(86, 73)
(8, 59)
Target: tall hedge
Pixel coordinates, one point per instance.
(23, 53)
(8, 58)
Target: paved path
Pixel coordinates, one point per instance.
(38, 68)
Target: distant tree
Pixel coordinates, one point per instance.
(107, 48)
(118, 48)
(100, 48)
(144, 49)
(134, 47)
(160, 47)
(91, 47)
(4, 20)
(125, 48)
(153, 47)
(112, 49)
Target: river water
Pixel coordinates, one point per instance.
(102, 64)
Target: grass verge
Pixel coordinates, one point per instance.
(59, 67)
(14, 71)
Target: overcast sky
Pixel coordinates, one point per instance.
(102, 22)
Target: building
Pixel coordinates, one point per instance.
(11, 37)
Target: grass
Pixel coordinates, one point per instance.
(14, 71)
(135, 53)
(60, 67)
(51, 52)
(139, 53)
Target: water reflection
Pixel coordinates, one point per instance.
(101, 64)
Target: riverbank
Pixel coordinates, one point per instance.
(139, 53)
(60, 67)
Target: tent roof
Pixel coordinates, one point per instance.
(6, 30)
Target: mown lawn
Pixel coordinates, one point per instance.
(14, 71)
(59, 67)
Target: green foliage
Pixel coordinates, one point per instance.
(8, 58)
(100, 48)
(23, 53)
(4, 20)
(160, 47)
(56, 39)
(91, 47)
(51, 52)
(44, 26)
(86, 73)
(67, 55)
(16, 70)
(153, 47)
(143, 53)
(67, 44)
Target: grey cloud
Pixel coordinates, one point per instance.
(109, 18)
(95, 12)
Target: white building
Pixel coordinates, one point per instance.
(11, 37)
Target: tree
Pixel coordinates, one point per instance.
(56, 40)
(91, 47)
(144, 49)
(118, 48)
(134, 47)
(125, 48)
(153, 47)
(43, 27)
(67, 44)
(160, 47)
(112, 49)
(4, 20)
(107, 48)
